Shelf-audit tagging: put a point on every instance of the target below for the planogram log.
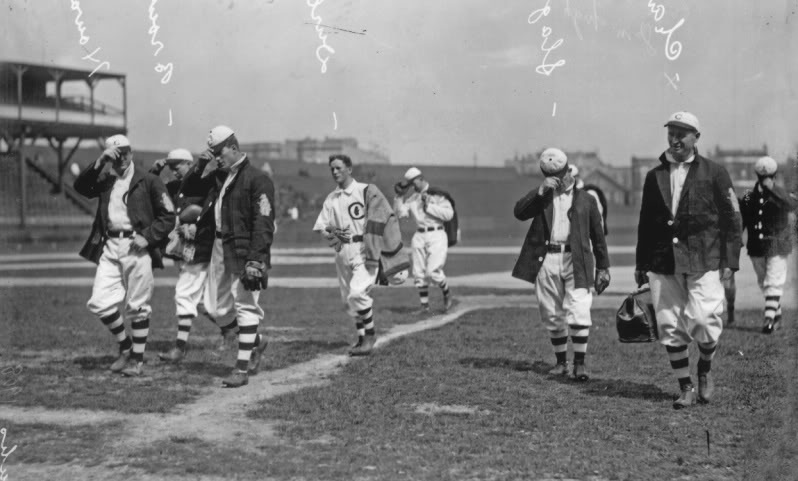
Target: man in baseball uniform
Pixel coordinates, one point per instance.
(242, 199)
(564, 243)
(134, 216)
(765, 210)
(341, 223)
(429, 209)
(196, 241)
(688, 241)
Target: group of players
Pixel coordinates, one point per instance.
(688, 246)
(219, 224)
(218, 221)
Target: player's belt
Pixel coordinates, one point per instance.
(355, 238)
(430, 229)
(119, 234)
(558, 248)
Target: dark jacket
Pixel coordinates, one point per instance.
(182, 198)
(148, 205)
(248, 212)
(585, 229)
(704, 235)
(766, 216)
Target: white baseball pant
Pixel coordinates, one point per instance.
(354, 279)
(560, 303)
(429, 256)
(122, 276)
(771, 274)
(687, 307)
(225, 294)
(190, 287)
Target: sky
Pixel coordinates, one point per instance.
(471, 81)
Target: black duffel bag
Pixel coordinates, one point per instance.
(635, 319)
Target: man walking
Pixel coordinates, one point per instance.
(429, 209)
(689, 240)
(765, 210)
(134, 216)
(242, 200)
(557, 258)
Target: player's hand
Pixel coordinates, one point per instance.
(343, 235)
(254, 277)
(158, 165)
(204, 158)
(768, 183)
(549, 183)
(138, 243)
(108, 155)
(641, 277)
(726, 274)
(602, 280)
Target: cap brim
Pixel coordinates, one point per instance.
(676, 123)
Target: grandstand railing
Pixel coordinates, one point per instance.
(78, 200)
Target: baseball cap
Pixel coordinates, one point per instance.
(219, 134)
(553, 161)
(412, 173)
(685, 120)
(765, 166)
(117, 140)
(177, 156)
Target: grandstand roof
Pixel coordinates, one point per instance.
(44, 72)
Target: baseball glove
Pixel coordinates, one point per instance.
(635, 319)
(255, 276)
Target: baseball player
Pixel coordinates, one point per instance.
(765, 210)
(342, 223)
(242, 199)
(134, 216)
(196, 237)
(561, 247)
(429, 209)
(688, 241)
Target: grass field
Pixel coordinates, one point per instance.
(469, 400)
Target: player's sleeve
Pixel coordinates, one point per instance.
(531, 205)
(324, 218)
(400, 207)
(88, 183)
(644, 248)
(262, 235)
(439, 207)
(730, 221)
(163, 213)
(597, 238)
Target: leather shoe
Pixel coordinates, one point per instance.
(365, 348)
(357, 344)
(706, 387)
(686, 398)
(580, 373)
(172, 355)
(257, 354)
(236, 379)
(121, 361)
(133, 370)
(560, 369)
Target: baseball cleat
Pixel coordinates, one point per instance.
(356, 345)
(257, 354)
(365, 348)
(121, 361)
(447, 303)
(172, 355)
(706, 387)
(560, 369)
(134, 370)
(580, 373)
(769, 327)
(686, 398)
(236, 379)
